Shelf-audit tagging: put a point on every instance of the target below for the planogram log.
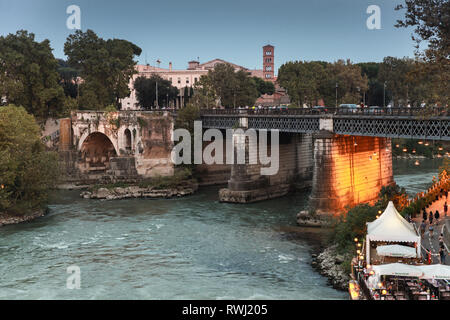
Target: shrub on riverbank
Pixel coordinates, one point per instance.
(27, 170)
(353, 223)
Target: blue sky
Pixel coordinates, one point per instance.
(233, 30)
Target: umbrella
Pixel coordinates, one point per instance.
(397, 250)
(435, 271)
(397, 269)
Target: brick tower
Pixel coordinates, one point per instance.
(268, 62)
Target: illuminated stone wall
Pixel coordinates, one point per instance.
(349, 170)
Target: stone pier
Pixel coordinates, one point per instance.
(348, 170)
(247, 183)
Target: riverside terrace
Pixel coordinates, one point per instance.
(409, 123)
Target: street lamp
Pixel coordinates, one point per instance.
(157, 105)
(384, 94)
(336, 93)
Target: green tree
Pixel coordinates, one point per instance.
(106, 67)
(27, 170)
(224, 86)
(146, 91)
(308, 82)
(29, 76)
(431, 20)
(264, 87)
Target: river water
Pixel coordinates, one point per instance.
(188, 248)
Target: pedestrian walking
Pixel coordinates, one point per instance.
(424, 214)
(423, 226)
(446, 194)
(430, 230)
(430, 217)
(441, 240)
(445, 208)
(436, 216)
(442, 254)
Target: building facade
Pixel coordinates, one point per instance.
(187, 78)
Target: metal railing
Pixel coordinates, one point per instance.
(416, 112)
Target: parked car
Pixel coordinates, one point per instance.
(349, 108)
(375, 109)
(319, 109)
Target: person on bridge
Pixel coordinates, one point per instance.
(423, 226)
(428, 256)
(430, 230)
(424, 213)
(430, 217)
(445, 208)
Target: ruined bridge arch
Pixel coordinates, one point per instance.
(96, 150)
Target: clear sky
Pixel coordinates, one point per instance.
(233, 30)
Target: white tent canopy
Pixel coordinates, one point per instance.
(435, 271)
(391, 226)
(397, 250)
(397, 269)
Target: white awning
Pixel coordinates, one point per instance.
(397, 250)
(397, 269)
(435, 271)
(391, 227)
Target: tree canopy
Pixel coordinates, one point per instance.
(308, 82)
(27, 170)
(146, 91)
(105, 66)
(431, 21)
(29, 75)
(226, 87)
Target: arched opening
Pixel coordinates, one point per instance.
(96, 151)
(127, 134)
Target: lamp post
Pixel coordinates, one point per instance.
(336, 93)
(384, 94)
(157, 105)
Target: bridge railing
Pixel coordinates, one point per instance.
(420, 112)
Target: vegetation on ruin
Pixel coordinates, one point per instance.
(27, 170)
(180, 177)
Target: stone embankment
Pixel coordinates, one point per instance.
(6, 218)
(140, 192)
(329, 264)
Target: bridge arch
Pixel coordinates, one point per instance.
(96, 150)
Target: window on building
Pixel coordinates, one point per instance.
(268, 53)
(179, 80)
(187, 80)
(268, 76)
(195, 80)
(268, 68)
(269, 60)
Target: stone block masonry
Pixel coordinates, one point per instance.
(349, 170)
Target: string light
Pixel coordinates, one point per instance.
(417, 163)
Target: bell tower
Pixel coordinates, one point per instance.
(268, 62)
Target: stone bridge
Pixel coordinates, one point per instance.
(124, 145)
(345, 158)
